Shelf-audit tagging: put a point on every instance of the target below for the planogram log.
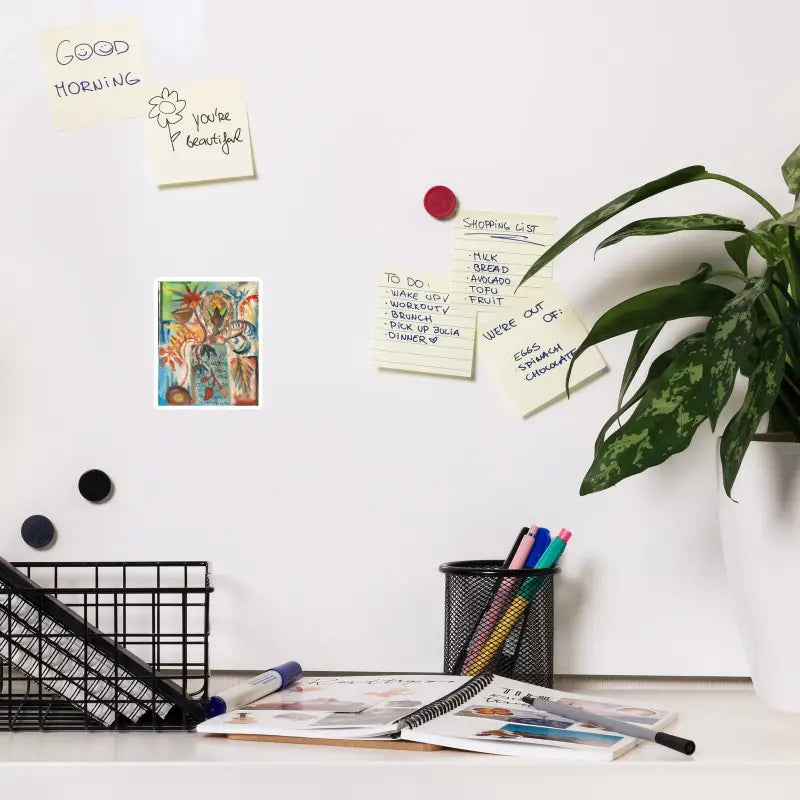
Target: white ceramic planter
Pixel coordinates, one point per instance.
(761, 545)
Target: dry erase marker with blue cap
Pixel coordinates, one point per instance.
(248, 692)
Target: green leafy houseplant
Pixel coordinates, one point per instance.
(753, 331)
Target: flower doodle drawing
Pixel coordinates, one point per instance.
(208, 347)
(165, 109)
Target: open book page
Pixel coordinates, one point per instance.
(347, 707)
(497, 721)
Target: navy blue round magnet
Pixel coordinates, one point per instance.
(94, 485)
(37, 531)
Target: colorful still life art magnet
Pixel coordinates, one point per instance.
(208, 347)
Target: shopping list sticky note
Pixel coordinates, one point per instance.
(94, 71)
(492, 251)
(417, 329)
(529, 347)
(198, 131)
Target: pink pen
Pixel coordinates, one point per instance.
(500, 601)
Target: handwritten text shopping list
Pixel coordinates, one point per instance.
(491, 252)
(417, 329)
(530, 345)
(94, 72)
(198, 132)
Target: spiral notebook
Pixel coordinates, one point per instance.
(484, 714)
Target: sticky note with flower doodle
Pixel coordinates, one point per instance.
(198, 131)
(208, 346)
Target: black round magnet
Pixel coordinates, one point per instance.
(37, 531)
(94, 485)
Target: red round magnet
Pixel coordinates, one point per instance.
(440, 202)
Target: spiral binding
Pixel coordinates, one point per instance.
(450, 702)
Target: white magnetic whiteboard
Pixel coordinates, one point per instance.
(326, 512)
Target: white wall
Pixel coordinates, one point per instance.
(326, 512)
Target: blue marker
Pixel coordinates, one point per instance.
(541, 544)
(248, 692)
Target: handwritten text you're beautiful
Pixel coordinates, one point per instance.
(222, 139)
(202, 137)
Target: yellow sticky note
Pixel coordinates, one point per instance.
(529, 347)
(492, 250)
(94, 71)
(417, 329)
(198, 131)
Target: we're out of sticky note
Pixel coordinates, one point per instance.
(492, 250)
(529, 347)
(198, 131)
(94, 71)
(417, 329)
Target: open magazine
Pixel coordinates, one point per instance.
(484, 714)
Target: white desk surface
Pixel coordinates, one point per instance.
(741, 746)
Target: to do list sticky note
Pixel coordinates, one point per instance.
(94, 71)
(529, 347)
(198, 131)
(492, 250)
(417, 329)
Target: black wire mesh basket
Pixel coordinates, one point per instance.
(498, 620)
(104, 645)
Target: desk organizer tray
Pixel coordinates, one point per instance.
(103, 645)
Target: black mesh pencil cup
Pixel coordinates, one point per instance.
(498, 620)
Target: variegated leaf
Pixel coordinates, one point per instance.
(646, 336)
(657, 226)
(662, 424)
(762, 244)
(730, 335)
(657, 367)
(654, 306)
(790, 218)
(598, 217)
(770, 241)
(791, 171)
(765, 382)
(781, 237)
(642, 342)
(739, 249)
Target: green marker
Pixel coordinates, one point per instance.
(547, 560)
